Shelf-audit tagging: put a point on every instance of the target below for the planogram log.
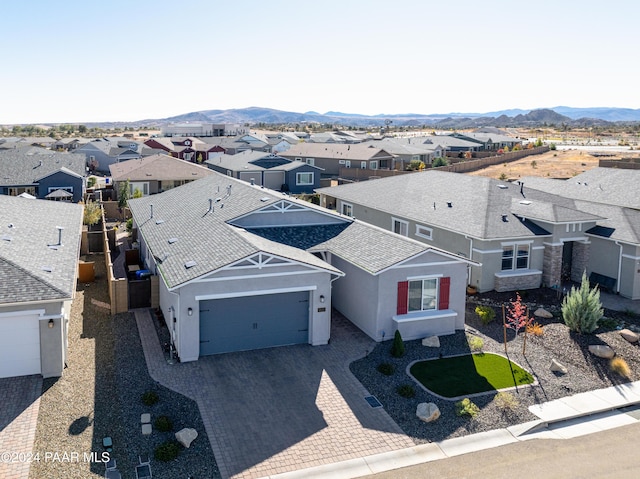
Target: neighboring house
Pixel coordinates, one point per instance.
(203, 129)
(180, 147)
(42, 173)
(270, 171)
(68, 144)
(242, 267)
(332, 157)
(489, 141)
(104, 152)
(155, 174)
(280, 142)
(39, 248)
(404, 150)
(449, 143)
(523, 238)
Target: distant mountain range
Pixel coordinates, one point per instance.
(557, 116)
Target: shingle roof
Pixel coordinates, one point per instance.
(25, 166)
(478, 204)
(157, 167)
(354, 152)
(25, 252)
(206, 237)
(251, 160)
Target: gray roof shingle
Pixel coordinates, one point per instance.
(25, 166)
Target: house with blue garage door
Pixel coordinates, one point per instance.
(243, 267)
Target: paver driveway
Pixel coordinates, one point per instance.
(19, 405)
(281, 409)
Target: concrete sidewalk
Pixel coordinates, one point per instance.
(573, 416)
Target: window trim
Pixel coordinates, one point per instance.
(310, 161)
(515, 257)
(435, 299)
(348, 206)
(300, 183)
(373, 165)
(423, 235)
(402, 223)
(363, 165)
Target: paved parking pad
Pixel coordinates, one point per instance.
(19, 405)
(276, 410)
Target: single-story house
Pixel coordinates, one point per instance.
(489, 141)
(242, 267)
(406, 150)
(268, 170)
(42, 173)
(522, 237)
(103, 152)
(155, 174)
(39, 250)
(332, 157)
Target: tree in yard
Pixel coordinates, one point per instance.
(516, 316)
(581, 308)
(92, 213)
(123, 194)
(397, 348)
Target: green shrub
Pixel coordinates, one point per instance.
(581, 308)
(486, 314)
(607, 323)
(406, 391)
(150, 398)
(397, 348)
(552, 146)
(129, 225)
(386, 368)
(163, 424)
(506, 401)
(466, 408)
(167, 451)
(476, 343)
(439, 162)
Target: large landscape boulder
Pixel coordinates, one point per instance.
(542, 313)
(602, 351)
(186, 436)
(556, 367)
(427, 411)
(431, 342)
(629, 335)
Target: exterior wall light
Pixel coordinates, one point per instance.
(322, 298)
(190, 311)
(50, 323)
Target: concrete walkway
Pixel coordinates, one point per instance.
(19, 406)
(279, 410)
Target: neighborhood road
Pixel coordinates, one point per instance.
(611, 454)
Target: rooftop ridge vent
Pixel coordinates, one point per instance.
(190, 264)
(525, 202)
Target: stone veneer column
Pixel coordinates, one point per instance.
(552, 265)
(579, 260)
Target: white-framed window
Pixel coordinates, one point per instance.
(423, 295)
(310, 161)
(515, 256)
(363, 165)
(400, 226)
(373, 165)
(143, 187)
(305, 178)
(18, 190)
(424, 232)
(347, 163)
(347, 209)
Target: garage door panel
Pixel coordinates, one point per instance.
(19, 346)
(253, 322)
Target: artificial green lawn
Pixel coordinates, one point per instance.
(469, 374)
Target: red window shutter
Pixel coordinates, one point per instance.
(403, 297)
(445, 283)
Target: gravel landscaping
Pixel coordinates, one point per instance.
(585, 371)
(100, 394)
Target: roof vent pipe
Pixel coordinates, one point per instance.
(504, 218)
(449, 204)
(151, 208)
(60, 228)
(522, 188)
(210, 204)
(253, 181)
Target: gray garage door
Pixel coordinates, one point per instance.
(253, 322)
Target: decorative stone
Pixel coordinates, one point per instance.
(146, 429)
(557, 367)
(427, 411)
(629, 335)
(542, 313)
(602, 351)
(145, 418)
(186, 436)
(431, 342)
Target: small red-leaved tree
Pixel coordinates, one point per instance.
(516, 316)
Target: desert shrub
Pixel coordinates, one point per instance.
(386, 368)
(163, 424)
(150, 398)
(506, 401)
(439, 162)
(397, 348)
(535, 329)
(607, 323)
(466, 408)
(503, 176)
(92, 213)
(552, 146)
(486, 314)
(475, 343)
(167, 451)
(534, 164)
(620, 366)
(581, 308)
(406, 391)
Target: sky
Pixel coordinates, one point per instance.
(81, 61)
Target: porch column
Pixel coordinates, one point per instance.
(552, 264)
(579, 260)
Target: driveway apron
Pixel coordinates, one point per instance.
(281, 409)
(20, 403)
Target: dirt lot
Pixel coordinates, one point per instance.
(554, 164)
